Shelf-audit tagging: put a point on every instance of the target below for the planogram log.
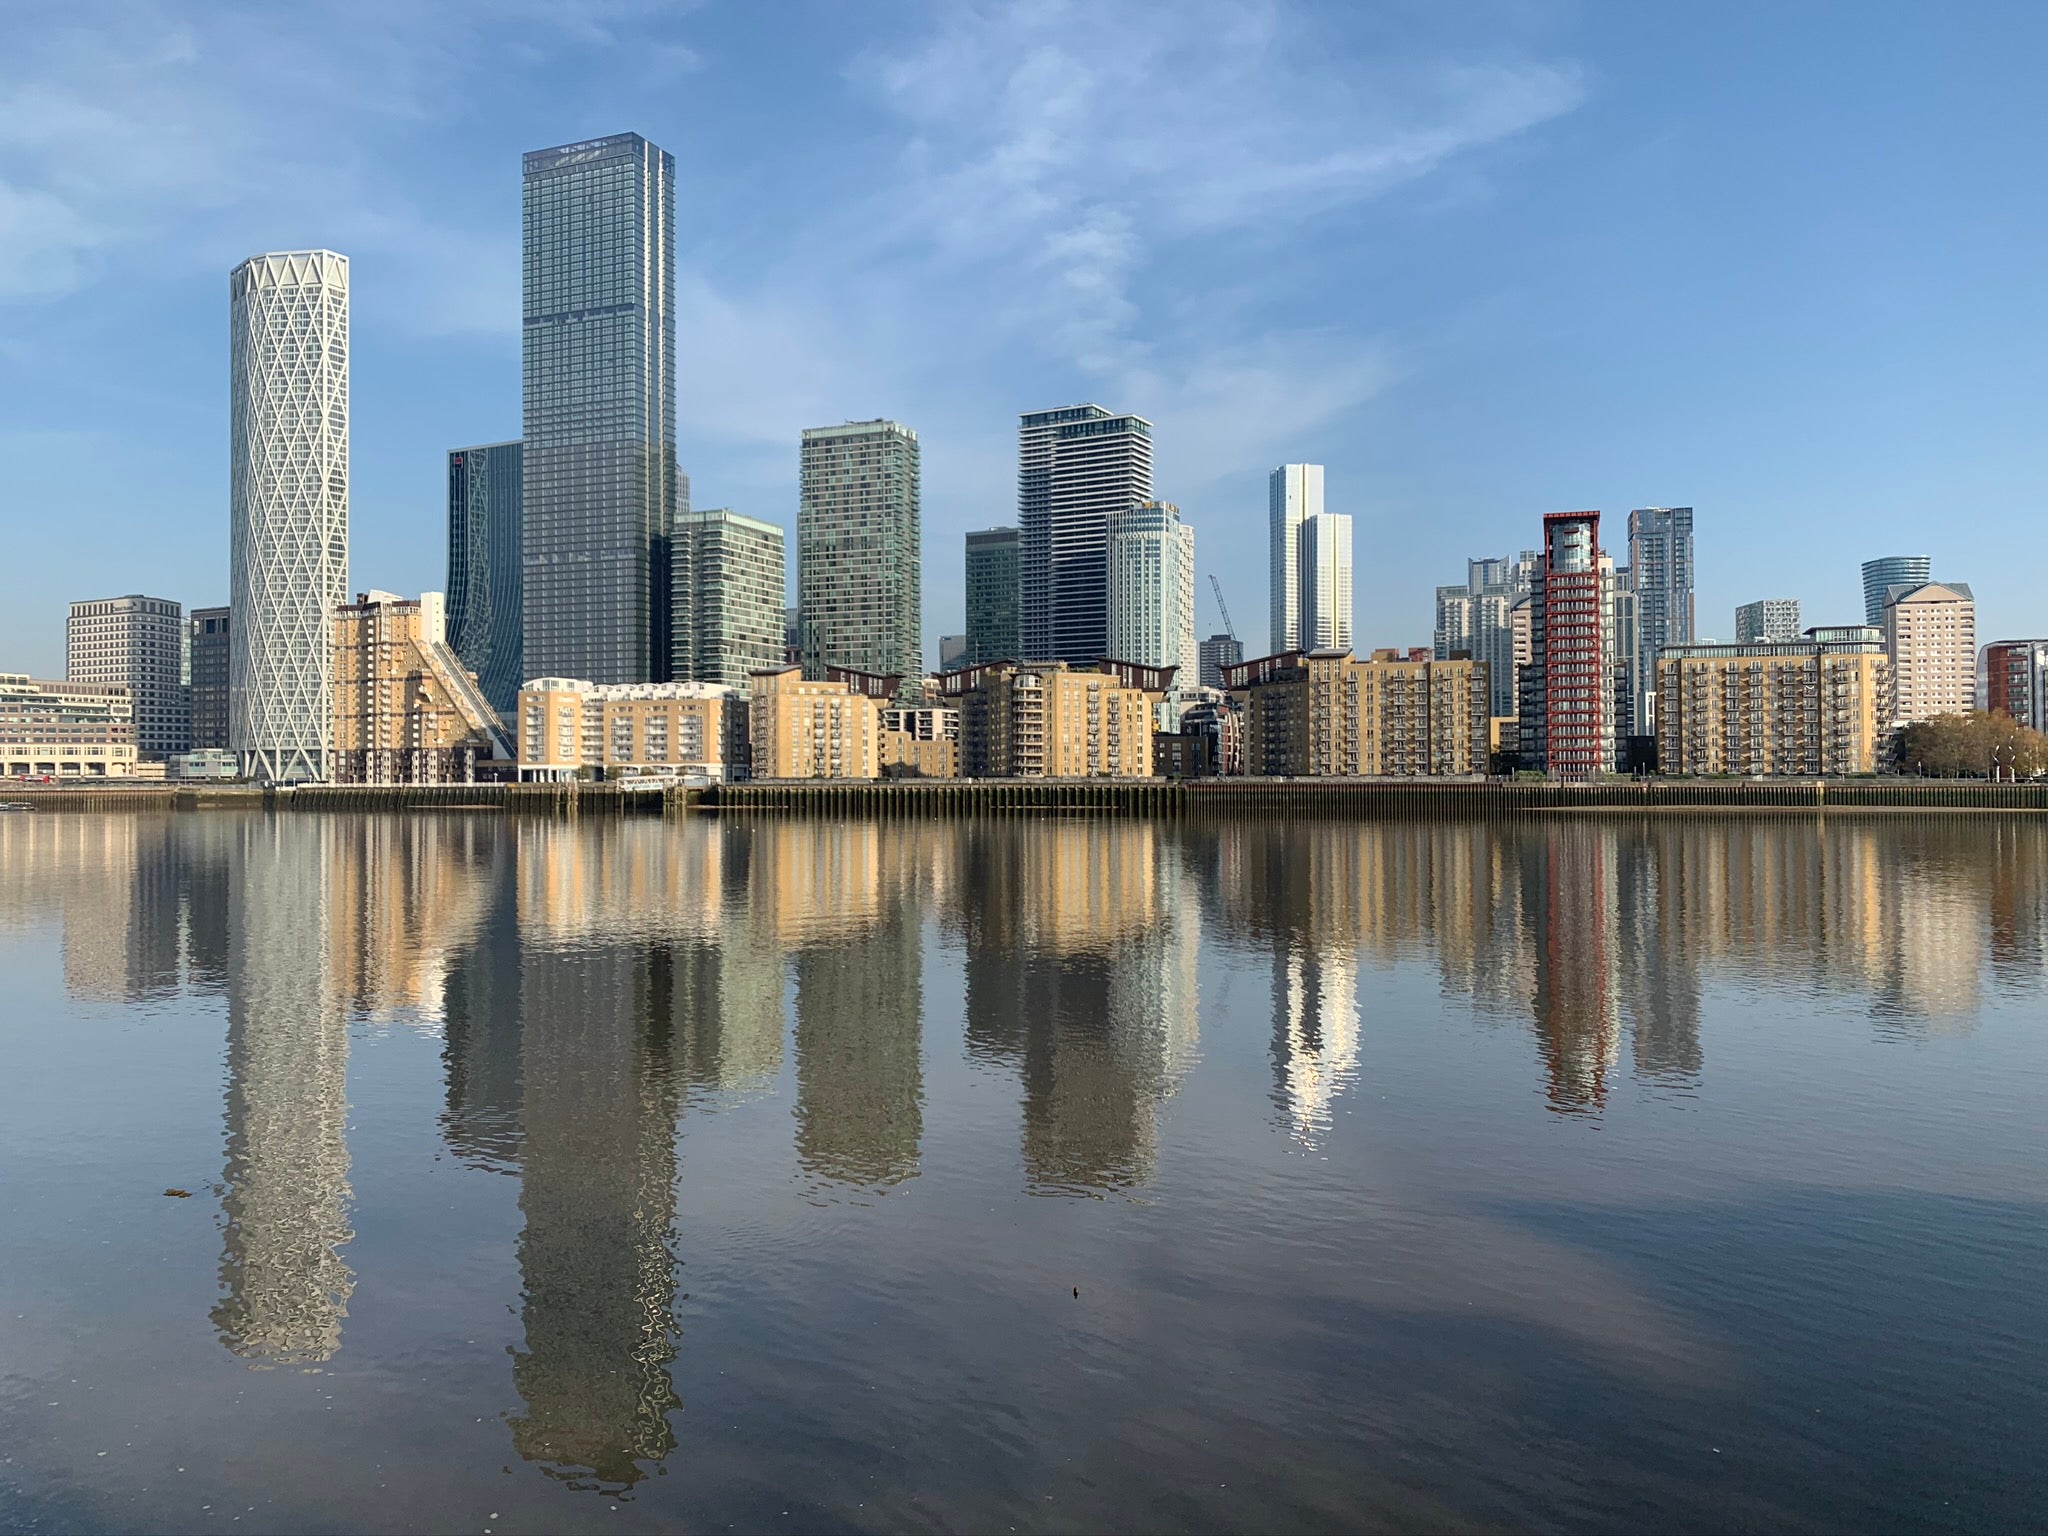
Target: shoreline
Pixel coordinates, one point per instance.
(1421, 798)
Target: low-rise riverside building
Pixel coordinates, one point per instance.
(1328, 714)
(2016, 681)
(824, 728)
(1815, 707)
(65, 730)
(405, 709)
(1043, 720)
(567, 728)
(920, 742)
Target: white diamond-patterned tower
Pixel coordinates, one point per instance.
(288, 506)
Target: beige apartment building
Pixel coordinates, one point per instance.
(1037, 720)
(404, 708)
(1328, 714)
(920, 742)
(813, 728)
(567, 728)
(65, 730)
(1810, 708)
(1930, 634)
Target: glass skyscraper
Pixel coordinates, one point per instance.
(486, 567)
(1660, 567)
(728, 613)
(1075, 466)
(992, 596)
(600, 485)
(1886, 572)
(860, 550)
(1293, 492)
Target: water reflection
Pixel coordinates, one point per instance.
(595, 984)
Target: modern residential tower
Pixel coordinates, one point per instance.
(1323, 581)
(1930, 634)
(1661, 577)
(208, 650)
(859, 550)
(287, 506)
(992, 576)
(136, 642)
(1075, 466)
(729, 620)
(600, 486)
(1150, 555)
(1568, 687)
(1293, 492)
(486, 567)
(1767, 621)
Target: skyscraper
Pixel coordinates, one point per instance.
(287, 505)
(1479, 619)
(1075, 466)
(600, 487)
(486, 572)
(1216, 653)
(729, 615)
(1324, 584)
(134, 641)
(1884, 573)
(1568, 686)
(209, 694)
(859, 550)
(1661, 577)
(1767, 621)
(1150, 556)
(1293, 492)
(992, 576)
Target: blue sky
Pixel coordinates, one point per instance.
(1780, 263)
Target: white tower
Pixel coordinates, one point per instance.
(288, 505)
(1150, 560)
(1295, 491)
(1325, 581)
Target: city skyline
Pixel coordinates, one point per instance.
(1419, 398)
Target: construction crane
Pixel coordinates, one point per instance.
(1216, 586)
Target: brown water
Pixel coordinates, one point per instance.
(1574, 1173)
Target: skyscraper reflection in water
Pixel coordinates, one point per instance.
(285, 1208)
(1081, 942)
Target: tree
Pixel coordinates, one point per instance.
(1971, 746)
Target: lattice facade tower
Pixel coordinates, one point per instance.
(287, 505)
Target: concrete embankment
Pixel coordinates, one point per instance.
(1232, 797)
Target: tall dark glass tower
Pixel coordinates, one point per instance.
(485, 567)
(1075, 466)
(992, 596)
(599, 384)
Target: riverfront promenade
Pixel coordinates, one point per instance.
(1131, 797)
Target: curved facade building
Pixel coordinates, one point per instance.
(288, 505)
(1886, 572)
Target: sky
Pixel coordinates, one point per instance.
(1778, 263)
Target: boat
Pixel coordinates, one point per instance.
(15, 805)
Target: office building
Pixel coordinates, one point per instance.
(1881, 575)
(1032, 720)
(1075, 466)
(486, 567)
(1568, 688)
(137, 642)
(1293, 492)
(1930, 634)
(993, 571)
(287, 506)
(1149, 554)
(1660, 577)
(406, 711)
(1323, 586)
(1326, 713)
(813, 728)
(1767, 621)
(729, 618)
(859, 543)
(599, 487)
(568, 728)
(1216, 653)
(65, 730)
(207, 697)
(1809, 707)
(952, 652)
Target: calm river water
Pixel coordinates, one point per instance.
(1040, 1174)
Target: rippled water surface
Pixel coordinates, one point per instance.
(1039, 1174)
